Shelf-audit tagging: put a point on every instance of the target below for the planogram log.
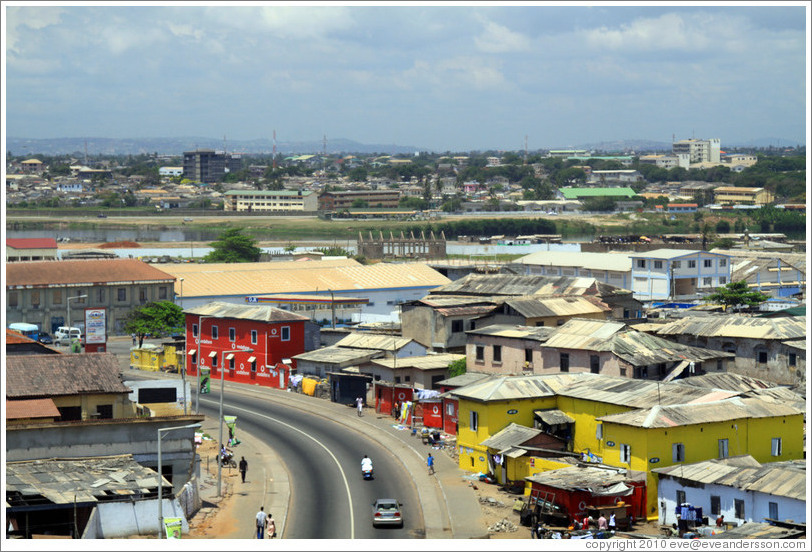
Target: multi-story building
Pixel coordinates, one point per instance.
(270, 200)
(672, 274)
(731, 195)
(209, 166)
(40, 292)
(30, 249)
(667, 161)
(699, 151)
(335, 201)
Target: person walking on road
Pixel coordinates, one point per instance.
(262, 521)
(430, 463)
(243, 468)
(271, 527)
(360, 402)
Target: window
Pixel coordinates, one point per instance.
(473, 420)
(457, 326)
(79, 299)
(739, 507)
(776, 446)
(641, 263)
(142, 295)
(497, 353)
(722, 280)
(678, 452)
(105, 411)
(540, 323)
(793, 358)
(528, 355)
(231, 362)
(215, 332)
(762, 357)
(599, 432)
(480, 353)
(162, 293)
(707, 263)
(720, 365)
(254, 365)
(121, 294)
(232, 334)
(100, 295)
(675, 264)
(397, 379)
(285, 333)
(35, 302)
(773, 507)
(194, 330)
(722, 263)
(622, 371)
(56, 296)
(625, 453)
(594, 364)
(214, 361)
(193, 358)
(691, 264)
(723, 448)
(253, 337)
(681, 497)
(716, 505)
(564, 362)
(658, 264)
(407, 378)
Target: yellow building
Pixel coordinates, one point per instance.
(731, 195)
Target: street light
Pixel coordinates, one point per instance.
(161, 476)
(181, 292)
(222, 389)
(68, 303)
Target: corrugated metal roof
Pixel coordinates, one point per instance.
(798, 260)
(511, 284)
(358, 340)
(40, 376)
(553, 416)
(618, 262)
(466, 311)
(261, 313)
(464, 379)
(339, 275)
(512, 436)
(87, 272)
(579, 477)
(518, 387)
(796, 343)
(428, 362)
(728, 381)
(338, 355)
(531, 333)
(734, 408)
(787, 479)
(733, 326)
(539, 306)
(670, 254)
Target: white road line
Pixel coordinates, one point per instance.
(343, 475)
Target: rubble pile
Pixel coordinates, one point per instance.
(503, 526)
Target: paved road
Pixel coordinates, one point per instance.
(329, 499)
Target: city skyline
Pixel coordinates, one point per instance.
(449, 78)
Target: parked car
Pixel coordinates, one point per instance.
(386, 511)
(65, 334)
(45, 338)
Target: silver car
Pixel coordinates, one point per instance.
(386, 511)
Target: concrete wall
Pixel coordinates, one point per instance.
(116, 520)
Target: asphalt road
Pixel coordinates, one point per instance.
(329, 498)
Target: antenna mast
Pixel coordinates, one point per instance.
(274, 149)
(525, 149)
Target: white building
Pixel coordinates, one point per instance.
(699, 151)
(170, 171)
(738, 488)
(270, 200)
(617, 175)
(677, 274)
(612, 268)
(667, 161)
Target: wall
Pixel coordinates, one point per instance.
(579, 361)
(418, 323)
(584, 413)
(122, 519)
(122, 407)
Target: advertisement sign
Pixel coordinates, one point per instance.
(205, 380)
(231, 423)
(95, 326)
(173, 527)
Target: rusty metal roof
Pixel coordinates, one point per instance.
(729, 381)
(428, 362)
(531, 333)
(508, 388)
(737, 326)
(517, 285)
(359, 340)
(580, 478)
(734, 408)
(787, 479)
(41, 376)
(553, 416)
(465, 379)
(260, 313)
(511, 436)
(341, 356)
(534, 306)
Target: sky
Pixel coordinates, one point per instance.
(455, 77)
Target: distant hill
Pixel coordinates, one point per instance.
(176, 146)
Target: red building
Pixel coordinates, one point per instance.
(256, 344)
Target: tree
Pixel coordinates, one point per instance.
(723, 227)
(359, 203)
(735, 294)
(457, 368)
(233, 247)
(158, 319)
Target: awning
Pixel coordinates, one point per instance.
(553, 417)
(192, 351)
(229, 356)
(678, 370)
(251, 359)
(514, 452)
(618, 489)
(212, 354)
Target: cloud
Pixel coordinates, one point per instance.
(498, 39)
(669, 31)
(34, 18)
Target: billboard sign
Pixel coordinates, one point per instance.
(95, 326)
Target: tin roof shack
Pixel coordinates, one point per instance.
(648, 438)
(451, 405)
(760, 344)
(738, 488)
(616, 349)
(545, 311)
(440, 322)
(771, 276)
(577, 489)
(504, 349)
(510, 452)
(389, 345)
(18, 344)
(333, 359)
(423, 372)
(346, 388)
(104, 497)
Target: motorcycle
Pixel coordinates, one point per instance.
(366, 470)
(227, 460)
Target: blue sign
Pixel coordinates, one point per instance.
(654, 460)
(513, 411)
(610, 443)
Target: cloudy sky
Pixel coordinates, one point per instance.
(442, 78)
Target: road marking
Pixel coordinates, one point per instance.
(343, 475)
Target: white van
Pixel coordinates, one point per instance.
(65, 334)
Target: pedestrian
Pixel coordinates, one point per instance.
(134, 340)
(602, 525)
(243, 468)
(271, 527)
(430, 463)
(360, 402)
(720, 521)
(612, 522)
(262, 521)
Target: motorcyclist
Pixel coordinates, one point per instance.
(366, 464)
